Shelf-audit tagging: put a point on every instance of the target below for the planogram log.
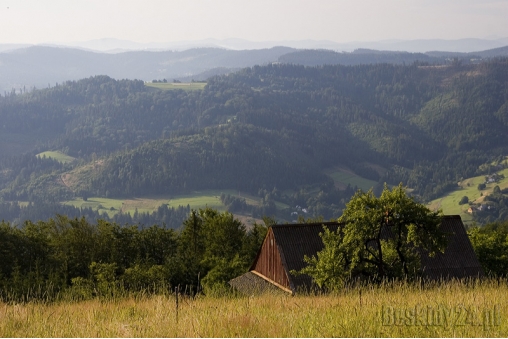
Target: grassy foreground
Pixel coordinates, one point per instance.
(449, 310)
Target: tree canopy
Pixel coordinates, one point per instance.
(74, 258)
(379, 238)
(490, 244)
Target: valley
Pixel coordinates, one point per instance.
(253, 169)
(295, 141)
(121, 190)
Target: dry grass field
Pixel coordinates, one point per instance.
(449, 310)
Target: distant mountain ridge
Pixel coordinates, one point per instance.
(111, 45)
(42, 66)
(495, 52)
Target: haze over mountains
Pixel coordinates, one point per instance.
(23, 67)
(110, 45)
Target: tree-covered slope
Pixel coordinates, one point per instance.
(470, 112)
(236, 156)
(267, 126)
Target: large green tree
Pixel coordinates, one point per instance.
(490, 244)
(380, 237)
(212, 246)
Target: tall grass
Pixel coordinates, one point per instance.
(354, 312)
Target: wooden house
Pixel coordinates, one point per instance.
(285, 246)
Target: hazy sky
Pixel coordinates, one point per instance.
(39, 21)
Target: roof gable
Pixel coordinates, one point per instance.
(270, 263)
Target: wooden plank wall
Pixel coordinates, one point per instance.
(269, 262)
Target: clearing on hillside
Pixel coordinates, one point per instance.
(58, 156)
(110, 206)
(170, 86)
(467, 187)
(114, 206)
(210, 198)
(343, 177)
(196, 200)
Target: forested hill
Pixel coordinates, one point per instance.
(312, 57)
(275, 126)
(358, 57)
(239, 156)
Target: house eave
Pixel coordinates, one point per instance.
(274, 283)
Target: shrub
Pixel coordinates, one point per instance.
(464, 200)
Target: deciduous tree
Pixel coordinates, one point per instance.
(379, 238)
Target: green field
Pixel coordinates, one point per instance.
(343, 177)
(110, 206)
(468, 187)
(196, 200)
(169, 86)
(211, 198)
(114, 206)
(58, 156)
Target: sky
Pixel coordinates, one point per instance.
(144, 21)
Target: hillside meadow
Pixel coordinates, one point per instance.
(170, 86)
(467, 187)
(454, 309)
(114, 206)
(58, 156)
(196, 200)
(343, 178)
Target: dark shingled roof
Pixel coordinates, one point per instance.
(298, 240)
(458, 259)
